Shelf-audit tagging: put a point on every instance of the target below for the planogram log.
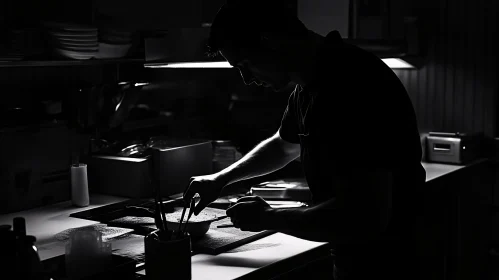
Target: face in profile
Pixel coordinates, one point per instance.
(259, 67)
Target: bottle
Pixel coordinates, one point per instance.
(27, 261)
(7, 243)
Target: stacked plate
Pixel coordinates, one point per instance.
(114, 43)
(72, 40)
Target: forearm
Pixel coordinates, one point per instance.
(322, 223)
(265, 158)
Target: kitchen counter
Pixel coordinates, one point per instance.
(437, 170)
(276, 249)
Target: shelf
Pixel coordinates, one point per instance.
(53, 63)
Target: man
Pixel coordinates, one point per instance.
(350, 121)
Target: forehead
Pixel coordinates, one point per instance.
(234, 56)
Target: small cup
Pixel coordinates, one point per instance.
(167, 255)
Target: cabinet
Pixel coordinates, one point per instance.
(137, 15)
(456, 223)
(366, 19)
(157, 14)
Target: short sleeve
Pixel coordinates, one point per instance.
(289, 125)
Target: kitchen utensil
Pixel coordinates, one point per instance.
(158, 220)
(161, 210)
(191, 210)
(160, 223)
(196, 228)
(182, 217)
(167, 258)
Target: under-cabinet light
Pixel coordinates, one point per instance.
(394, 63)
(397, 63)
(218, 64)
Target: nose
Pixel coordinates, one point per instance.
(247, 77)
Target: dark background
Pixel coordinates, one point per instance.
(455, 89)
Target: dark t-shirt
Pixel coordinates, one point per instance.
(356, 117)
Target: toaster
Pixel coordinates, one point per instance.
(452, 148)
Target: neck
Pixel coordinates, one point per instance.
(303, 56)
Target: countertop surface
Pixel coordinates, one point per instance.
(45, 222)
(436, 170)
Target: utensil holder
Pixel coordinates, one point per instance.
(167, 258)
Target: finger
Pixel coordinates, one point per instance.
(200, 206)
(190, 192)
(249, 198)
(230, 211)
(235, 222)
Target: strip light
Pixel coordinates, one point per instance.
(397, 63)
(221, 64)
(394, 63)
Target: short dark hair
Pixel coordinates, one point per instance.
(241, 22)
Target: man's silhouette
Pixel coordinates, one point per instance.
(341, 119)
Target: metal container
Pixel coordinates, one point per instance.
(176, 161)
(225, 153)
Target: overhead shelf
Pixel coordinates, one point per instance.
(54, 63)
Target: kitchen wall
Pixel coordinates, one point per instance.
(456, 90)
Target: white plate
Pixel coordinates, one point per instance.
(73, 34)
(78, 49)
(75, 54)
(76, 44)
(77, 40)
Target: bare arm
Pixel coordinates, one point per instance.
(361, 210)
(270, 155)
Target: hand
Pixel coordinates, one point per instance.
(208, 187)
(249, 213)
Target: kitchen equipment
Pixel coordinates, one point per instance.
(215, 241)
(224, 154)
(182, 217)
(453, 148)
(294, 189)
(177, 161)
(196, 228)
(167, 258)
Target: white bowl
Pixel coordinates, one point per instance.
(112, 51)
(75, 54)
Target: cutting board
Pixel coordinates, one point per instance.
(216, 240)
(219, 240)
